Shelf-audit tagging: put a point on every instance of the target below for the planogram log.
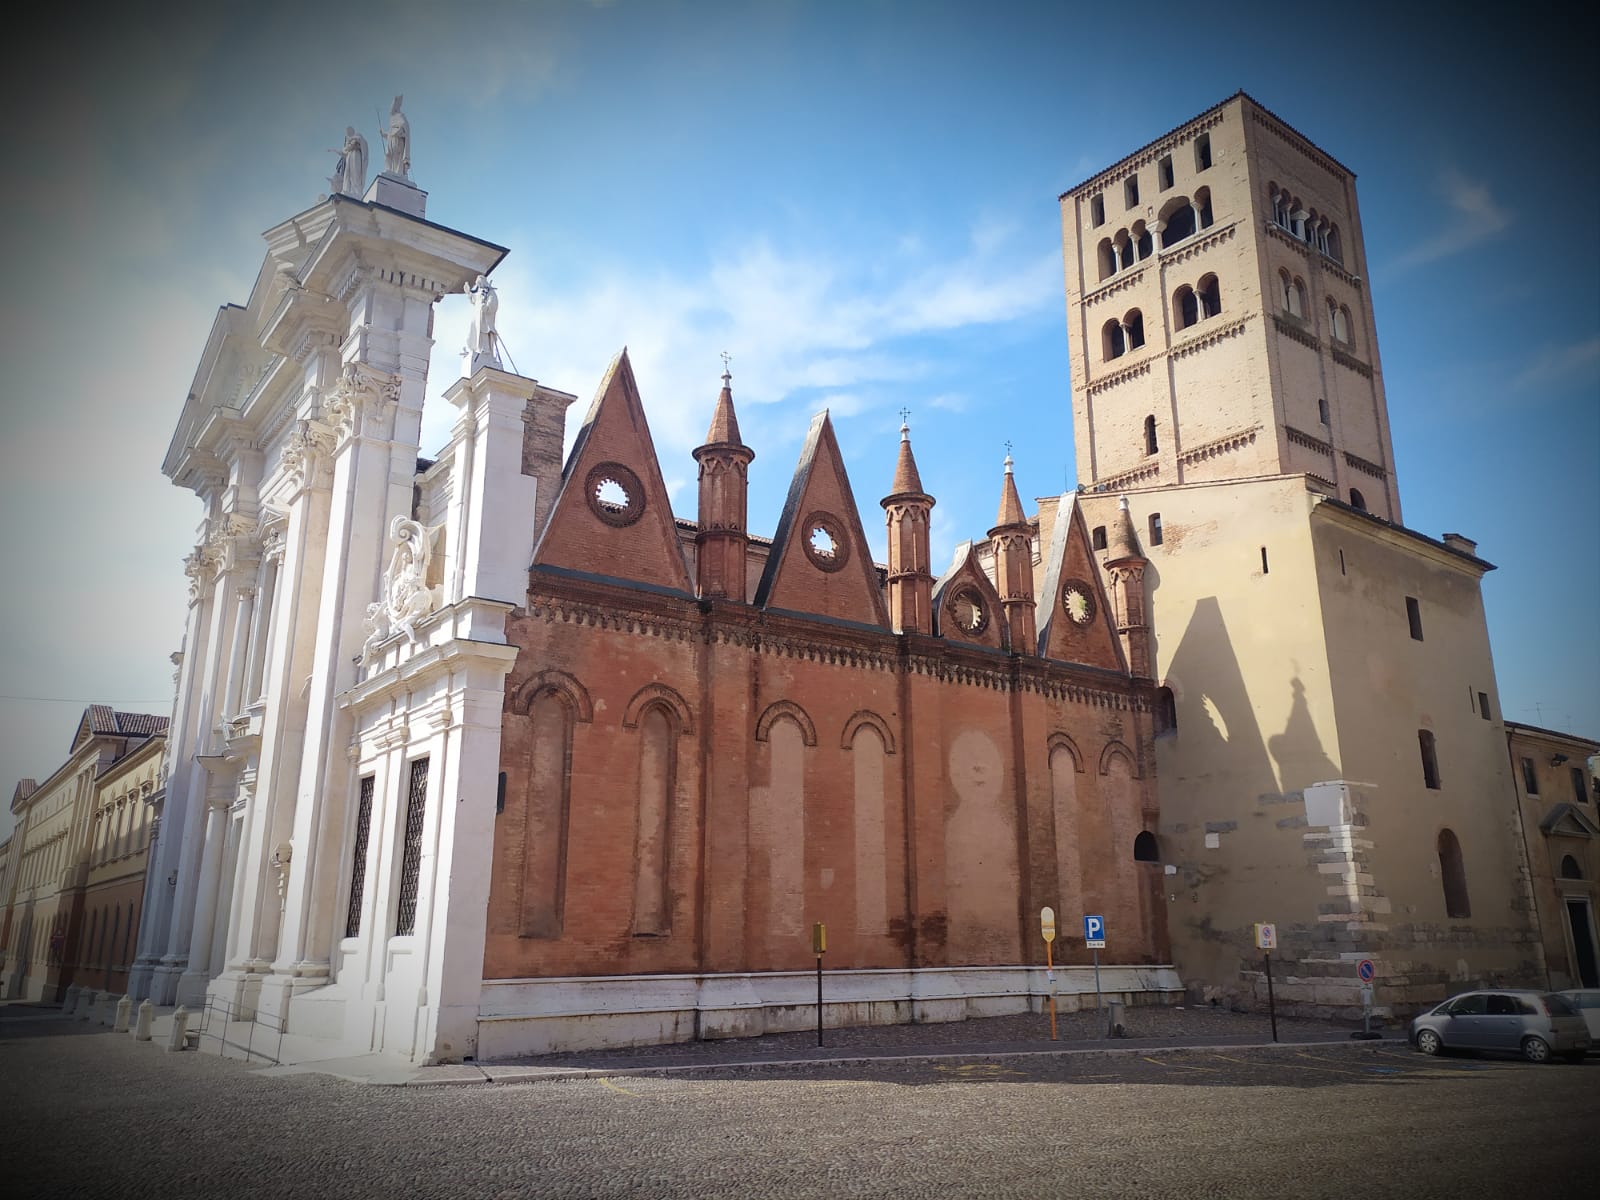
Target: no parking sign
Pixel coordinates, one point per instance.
(1366, 971)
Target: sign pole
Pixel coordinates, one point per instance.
(819, 944)
(1099, 1001)
(1272, 1008)
(1047, 930)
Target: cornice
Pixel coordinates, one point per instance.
(1149, 153)
(1117, 283)
(1310, 443)
(1294, 329)
(1127, 478)
(1117, 377)
(1208, 337)
(1270, 123)
(1365, 467)
(1192, 245)
(1223, 445)
(1351, 362)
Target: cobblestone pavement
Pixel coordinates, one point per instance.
(94, 1114)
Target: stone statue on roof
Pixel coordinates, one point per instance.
(481, 337)
(349, 176)
(397, 142)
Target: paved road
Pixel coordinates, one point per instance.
(90, 1114)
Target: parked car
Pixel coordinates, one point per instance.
(1587, 1002)
(1534, 1024)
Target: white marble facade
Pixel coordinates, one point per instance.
(346, 623)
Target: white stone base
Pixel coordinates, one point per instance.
(543, 1016)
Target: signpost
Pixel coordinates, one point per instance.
(1047, 929)
(1267, 941)
(1366, 972)
(819, 947)
(1094, 937)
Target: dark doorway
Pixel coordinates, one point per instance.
(1583, 942)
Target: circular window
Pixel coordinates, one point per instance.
(967, 611)
(615, 494)
(1077, 601)
(824, 541)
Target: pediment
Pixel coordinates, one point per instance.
(1568, 820)
(612, 517)
(820, 562)
(966, 606)
(1075, 619)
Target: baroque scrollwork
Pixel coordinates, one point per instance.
(361, 395)
(407, 598)
(306, 442)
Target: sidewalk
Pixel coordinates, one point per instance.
(1080, 1033)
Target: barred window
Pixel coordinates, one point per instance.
(358, 868)
(411, 853)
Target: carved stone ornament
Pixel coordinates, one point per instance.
(306, 442)
(406, 598)
(824, 541)
(1077, 601)
(360, 393)
(201, 567)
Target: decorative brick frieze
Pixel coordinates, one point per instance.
(1115, 377)
(1367, 468)
(1193, 246)
(1353, 363)
(1222, 445)
(1117, 283)
(1206, 336)
(1310, 443)
(1295, 329)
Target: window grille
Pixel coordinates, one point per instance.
(358, 868)
(411, 854)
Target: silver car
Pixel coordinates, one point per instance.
(1587, 1002)
(1534, 1024)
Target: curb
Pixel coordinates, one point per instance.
(511, 1074)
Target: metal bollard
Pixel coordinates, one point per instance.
(70, 1000)
(1114, 1027)
(86, 1002)
(124, 1010)
(179, 1037)
(141, 1024)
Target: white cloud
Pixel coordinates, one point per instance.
(806, 330)
(1553, 365)
(1472, 216)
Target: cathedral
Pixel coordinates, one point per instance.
(492, 753)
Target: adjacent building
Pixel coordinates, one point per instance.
(1334, 760)
(53, 934)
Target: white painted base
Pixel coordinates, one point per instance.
(543, 1016)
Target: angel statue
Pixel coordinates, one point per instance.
(397, 142)
(349, 176)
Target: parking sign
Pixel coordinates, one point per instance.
(1094, 933)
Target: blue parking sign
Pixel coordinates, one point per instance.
(1094, 932)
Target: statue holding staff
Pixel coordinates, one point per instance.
(397, 142)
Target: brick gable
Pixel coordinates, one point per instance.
(1072, 566)
(612, 517)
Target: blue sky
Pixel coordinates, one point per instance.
(857, 201)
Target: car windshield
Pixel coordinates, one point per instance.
(1559, 1006)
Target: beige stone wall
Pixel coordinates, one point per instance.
(1301, 674)
(1236, 394)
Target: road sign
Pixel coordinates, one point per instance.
(1266, 937)
(819, 939)
(1094, 932)
(1366, 971)
(1047, 923)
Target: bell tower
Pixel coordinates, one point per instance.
(906, 510)
(1012, 539)
(723, 538)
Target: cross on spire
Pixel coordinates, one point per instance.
(726, 359)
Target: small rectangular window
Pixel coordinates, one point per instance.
(1097, 210)
(1430, 759)
(1164, 172)
(1341, 562)
(1202, 152)
(411, 850)
(1099, 537)
(358, 865)
(1263, 560)
(1580, 787)
(1483, 706)
(1155, 529)
(1530, 778)
(1414, 617)
(1130, 190)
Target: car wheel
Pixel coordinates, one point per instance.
(1429, 1042)
(1535, 1049)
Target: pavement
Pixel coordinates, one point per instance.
(1081, 1033)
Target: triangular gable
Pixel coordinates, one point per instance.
(803, 574)
(595, 528)
(1075, 620)
(966, 607)
(1567, 820)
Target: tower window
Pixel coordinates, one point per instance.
(1580, 789)
(1430, 758)
(1210, 294)
(1414, 618)
(1108, 258)
(1322, 411)
(1130, 190)
(1144, 848)
(1185, 307)
(1357, 500)
(1263, 560)
(1150, 435)
(1202, 152)
(1341, 562)
(1453, 875)
(1346, 326)
(1202, 208)
(1181, 221)
(1166, 711)
(1164, 173)
(1530, 778)
(1483, 706)
(1115, 342)
(1097, 210)
(1098, 537)
(1155, 529)
(1134, 324)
